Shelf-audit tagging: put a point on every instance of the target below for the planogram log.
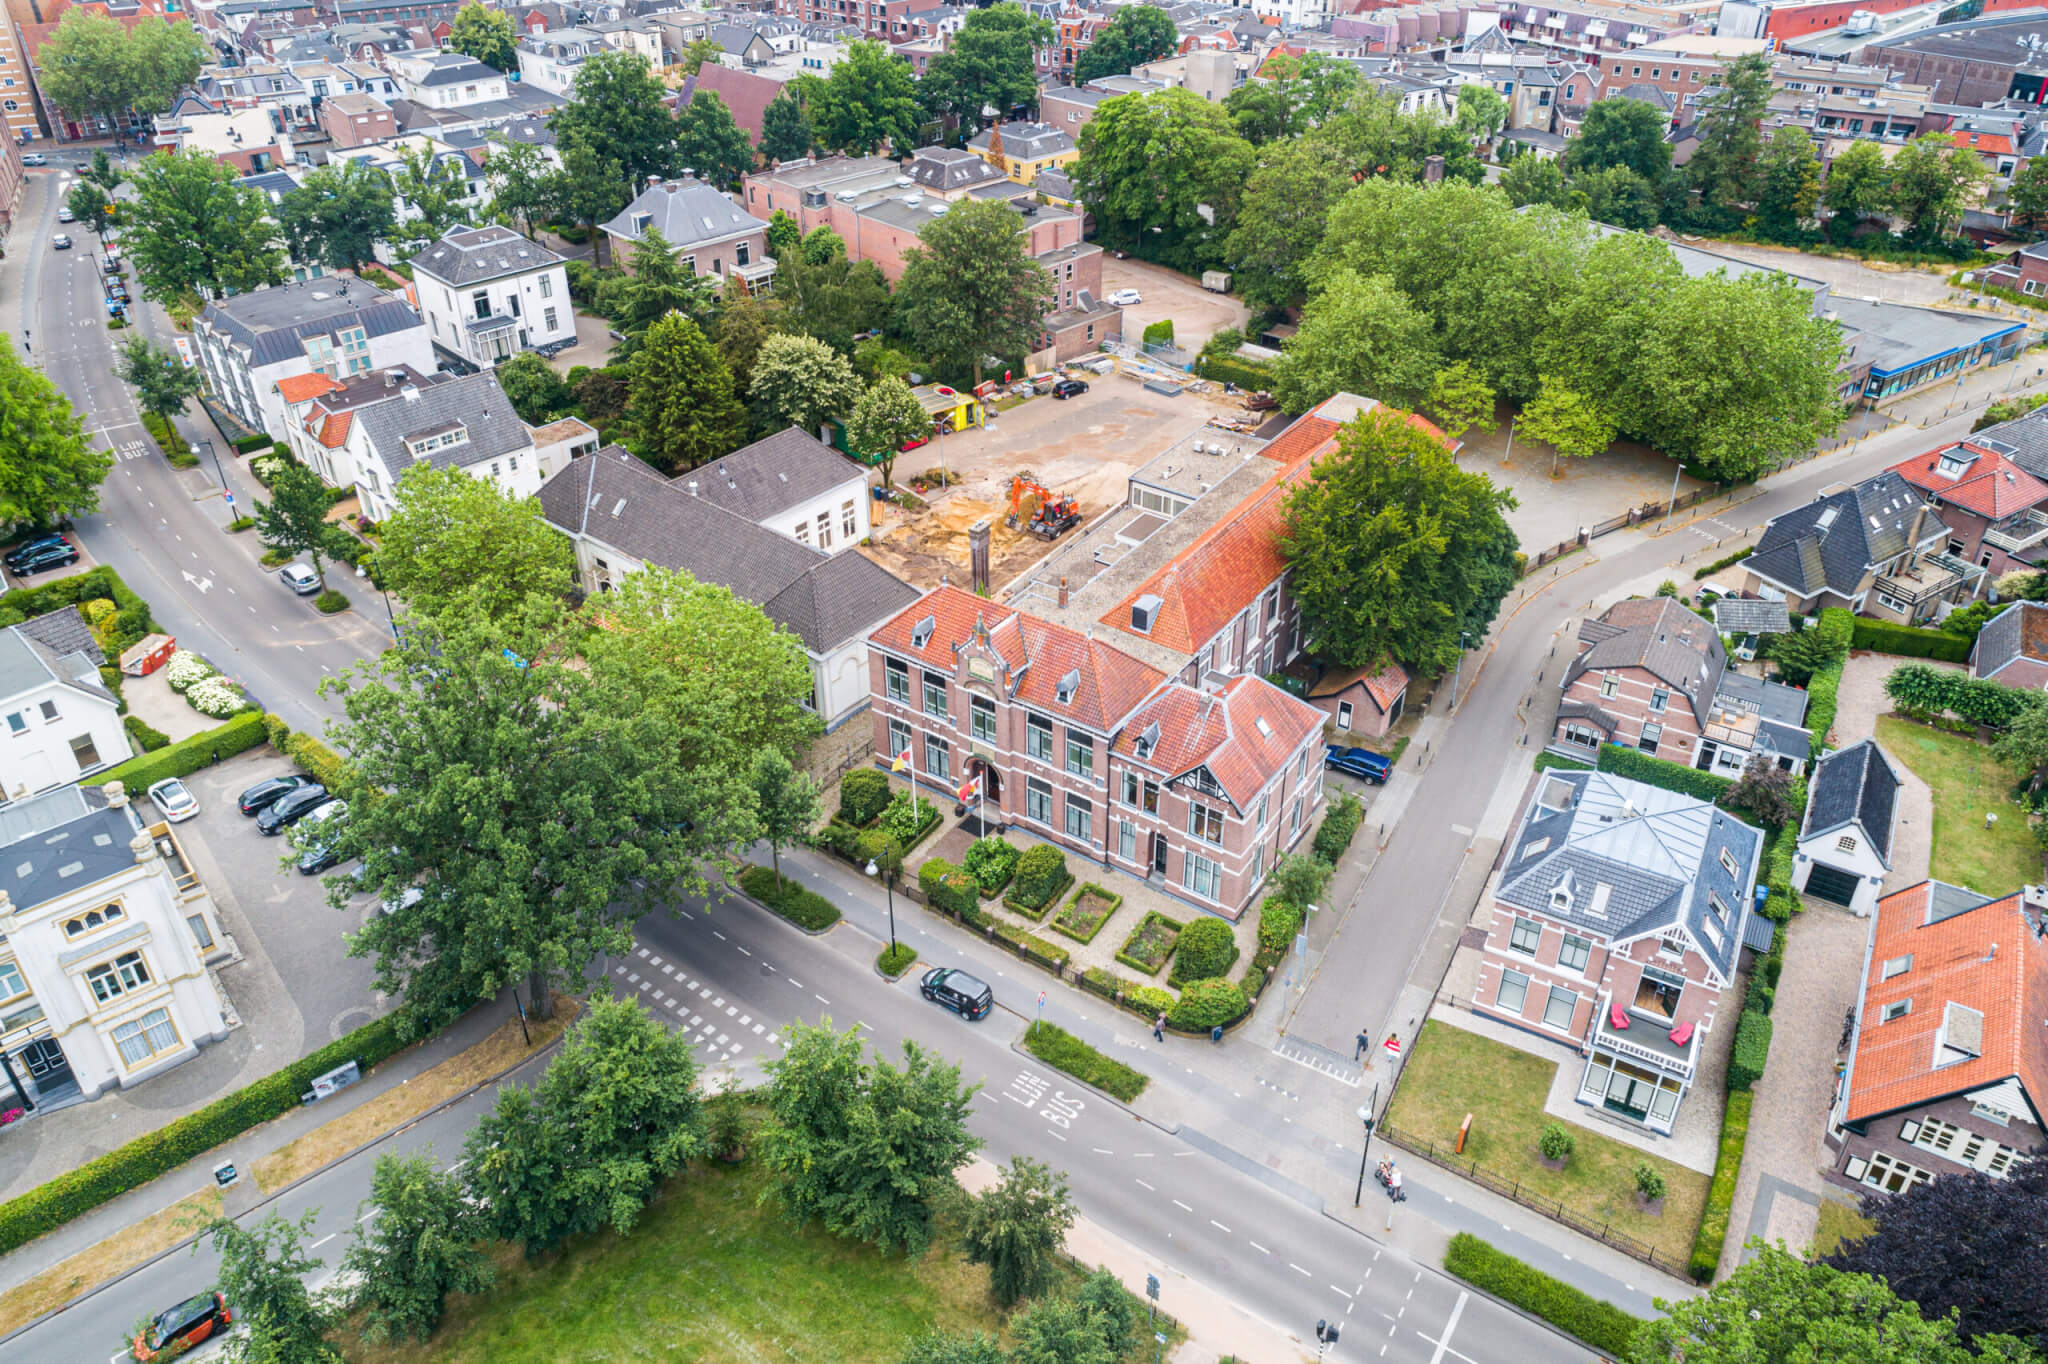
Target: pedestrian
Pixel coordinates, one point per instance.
(1159, 1028)
(1363, 1041)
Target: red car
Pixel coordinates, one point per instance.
(173, 1332)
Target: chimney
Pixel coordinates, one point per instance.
(693, 487)
(1063, 591)
(411, 393)
(117, 795)
(977, 552)
(1432, 169)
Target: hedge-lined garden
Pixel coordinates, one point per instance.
(1599, 1324)
(132, 619)
(1923, 693)
(183, 758)
(1713, 1232)
(1886, 638)
(1062, 1050)
(800, 905)
(1838, 629)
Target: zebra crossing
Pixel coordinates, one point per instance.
(1322, 1059)
(718, 1029)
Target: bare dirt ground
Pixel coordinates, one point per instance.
(1197, 314)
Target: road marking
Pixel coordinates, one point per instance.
(368, 1215)
(730, 1010)
(822, 1000)
(758, 1030)
(457, 1165)
(1259, 1248)
(1299, 1270)
(746, 1019)
(1141, 1155)
(687, 915)
(668, 970)
(1146, 1187)
(743, 951)
(794, 981)
(1335, 1289)
(984, 1094)
(633, 978)
(1182, 1206)
(651, 959)
(1049, 1130)
(1219, 1226)
(1100, 1152)
(1443, 1346)
(718, 935)
(315, 1246)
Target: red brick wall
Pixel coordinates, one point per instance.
(1631, 706)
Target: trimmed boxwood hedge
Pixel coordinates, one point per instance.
(146, 736)
(1670, 776)
(1278, 923)
(1205, 950)
(863, 795)
(1715, 567)
(1203, 1004)
(1601, 1325)
(79, 1191)
(183, 758)
(1340, 822)
(1041, 876)
(801, 906)
(1887, 638)
(1713, 1232)
(1062, 1050)
(1752, 1047)
(948, 888)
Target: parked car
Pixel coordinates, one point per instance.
(291, 808)
(1068, 388)
(65, 215)
(1362, 763)
(958, 991)
(1126, 298)
(271, 790)
(318, 836)
(30, 546)
(60, 242)
(300, 579)
(34, 159)
(173, 1332)
(49, 556)
(175, 799)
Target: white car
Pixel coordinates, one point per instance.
(300, 579)
(175, 799)
(1126, 298)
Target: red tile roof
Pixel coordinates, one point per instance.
(1385, 685)
(329, 428)
(300, 388)
(1997, 144)
(1308, 436)
(1993, 486)
(1985, 959)
(1243, 736)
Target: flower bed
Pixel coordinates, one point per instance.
(1030, 946)
(992, 862)
(894, 961)
(185, 668)
(1151, 943)
(216, 697)
(1086, 913)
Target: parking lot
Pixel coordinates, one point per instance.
(1197, 314)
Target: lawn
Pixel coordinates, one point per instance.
(1839, 1225)
(1453, 1072)
(1967, 785)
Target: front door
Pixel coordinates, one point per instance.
(44, 1060)
(1159, 853)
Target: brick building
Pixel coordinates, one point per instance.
(2012, 648)
(1996, 512)
(1874, 548)
(353, 120)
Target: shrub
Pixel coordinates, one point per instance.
(863, 795)
(110, 678)
(1278, 923)
(1041, 874)
(1149, 1000)
(1205, 1004)
(216, 697)
(1752, 1049)
(1234, 369)
(1649, 1182)
(187, 756)
(1160, 332)
(1706, 1246)
(132, 622)
(906, 817)
(240, 524)
(991, 862)
(1556, 1143)
(1340, 822)
(1047, 953)
(185, 668)
(1887, 638)
(147, 739)
(803, 907)
(1207, 949)
(322, 763)
(99, 613)
(1601, 1325)
(1918, 690)
(1063, 1051)
(947, 887)
(1715, 567)
(276, 730)
(894, 961)
(1687, 781)
(330, 602)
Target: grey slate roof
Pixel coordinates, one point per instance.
(685, 212)
(772, 475)
(1739, 616)
(614, 498)
(56, 647)
(64, 632)
(2003, 639)
(475, 255)
(1857, 785)
(1027, 141)
(452, 68)
(273, 324)
(1656, 853)
(950, 168)
(2023, 440)
(61, 839)
(1773, 701)
(1834, 541)
(474, 400)
(1662, 637)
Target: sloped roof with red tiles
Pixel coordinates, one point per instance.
(1976, 983)
(954, 613)
(1243, 735)
(329, 428)
(1307, 436)
(1279, 50)
(1990, 484)
(1993, 144)
(299, 388)
(1384, 684)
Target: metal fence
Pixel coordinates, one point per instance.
(1602, 1232)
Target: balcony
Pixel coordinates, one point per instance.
(1933, 577)
(2022, 531)
(1646, 1039)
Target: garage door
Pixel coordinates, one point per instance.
(1833, 884)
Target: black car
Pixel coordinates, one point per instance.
(1067, 388)
(269, 792)
(30, 546)
(291, 808)
(958, 991)
(49, 556)
(319, 856)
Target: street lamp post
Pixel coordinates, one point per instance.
(889, 884)
(1365, 1116)
(1677, 468)
(207, 445)
(1458, 675)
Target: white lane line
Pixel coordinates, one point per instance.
(821, 999)
(1335, 1289)
(718, 935)
(1100, 1152)
(457, 1165)
(984, 1094)
(1219, 1226)
(794, 981)
(1182, 1206)
(315, 1246)
(1443, 1346)
(1049, 1130)
(1146, 1187)
(1299, 1270)
(1141, 1155)
(1259, 1248)
(368, 1215)
(743, 951)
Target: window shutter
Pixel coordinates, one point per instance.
(1909, 1129)
(1855, 1168)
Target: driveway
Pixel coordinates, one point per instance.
(1197, 314)
(1859, 702)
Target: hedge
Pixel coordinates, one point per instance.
(1840, 625)
(1047, 953)
(1713, 1232)
(1670, 776)
(1752, 1049)
(1715, 567)
(146, 737)
(1884, 637)
(1206, 949)
(1063, 1051)
(1040, 876)
(183, 758)
(1546, 761)
(863, 795)
(1599, 1324)
(803, 907)
(991, 862)
(1230, 369)
(1278, 923)
(1110, 897)
(131, 622)
(948, 888)
(1159, 332)
(322, 763)
(1340, 822)
(1920, 691)
(79, 1191)
(1204, 1004)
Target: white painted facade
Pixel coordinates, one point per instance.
(1847, 849)
(834, 522)
(536, 301)
(55, 732)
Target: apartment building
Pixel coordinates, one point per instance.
(488, 293)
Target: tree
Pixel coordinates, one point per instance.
(1394, 550)
(435, 187)
(420, 1248)
(93, 66)
(1162, 173)
(589, 188)
(1778, 1309)
(1482, 112)
(785, 803)
(1802, 653)
(745, 322)
(518, 173)
(1931, 179)
(1385, 140)
(1764, 790)
(1017, 1228)
(1789, 193)
(937, 1347)
(454, 540)
(1280, 218)
(337, 215)
(887, 418)
(833, 298)
(969, 290)
(1300, 878)
(538, 394)
(1359, 335)
(1460, 400)
(91, 205)
(700, 51)
(620, 112)
(863, 1148)
(615, 1113)
(1115, 1311)
(869, 99)
(48, 468)
(785, 128)
(193, 229)
(1724, 166)
(659, 285)
(294, 520)
(103, 172)
(1574, 425)
(1539, 180)
(486, 35)
(163, 383)
(802, 382)
(1135, 34)
(991, 64)
(683, 402)
(1622, 132)
(1058, 1331)
(783, 234)
(1859, 184)
(262, 1274)
(711, 144)
(2028, 198)
(1968, 1243)
(2024, 745)
(1616, 196)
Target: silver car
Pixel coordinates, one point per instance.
(300, 579)
(175, 799)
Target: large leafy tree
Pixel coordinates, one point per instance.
(887, 418)
(2028, 198)
(745, 322)
(1280, 220)
(1384, 140)
(1617, 196)
(1018, 1227)
(864, 1148)
(422, 1246)
(621, 113)
(1622, 132)
(588, 189)
(1778, 1309)
(263, 1272)
(92, 65)
(1162, 173)
(434, 186)
(1059, 1331)
(48, 469)
(869, 99)
(537, 393)
(163, 383)
(991, 64)
(485, 34)
(710, 143)
(1482, 111)
(683, 403)
(536, 804)
(457, 543)
(1394, 550)
(1788, 191)
(294, 520)
(337, 215)
(1574, 425)
(193, 230)
(91, 205)
(1858, 185)
(1359, 335)
(938, 1347)
(658, 285)
(1135, 34)
(786, 133)
(1539, 180)
(1460, 400)
(615, 1113)
(518, 173)
(970, 291)
(802, 382)
(786, 802)
(1724, 168)
(822, 293)
(1931, 180)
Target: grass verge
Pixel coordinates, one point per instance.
(894, 961)
(1601, 1325)
(1062, 1050)
(1967, 785)
(1840, 1224)
(122, 1251)
(802, 907)
(331, 1140)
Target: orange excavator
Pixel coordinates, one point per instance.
(1039, 510)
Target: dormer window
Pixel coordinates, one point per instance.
(1953, 464)
(921, 633)
(1561, 896)
(424, 445)
(91, 919)
(1961, 1037)
(1068, 685)
(1147, 741)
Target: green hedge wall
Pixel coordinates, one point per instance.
(1752, 1048)
(181, 759)
(1918, 690)
(1278, 923)
(1229, 369)
(1713, 1232)
(1715, 567)
(1687, 781)
(1838, 625)
(1340, 823)
(801, 906)
(1601, 1325)
(1063, 1051)
(131, 622)
(1887, 638)
(79, 1191)
(947, 887)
